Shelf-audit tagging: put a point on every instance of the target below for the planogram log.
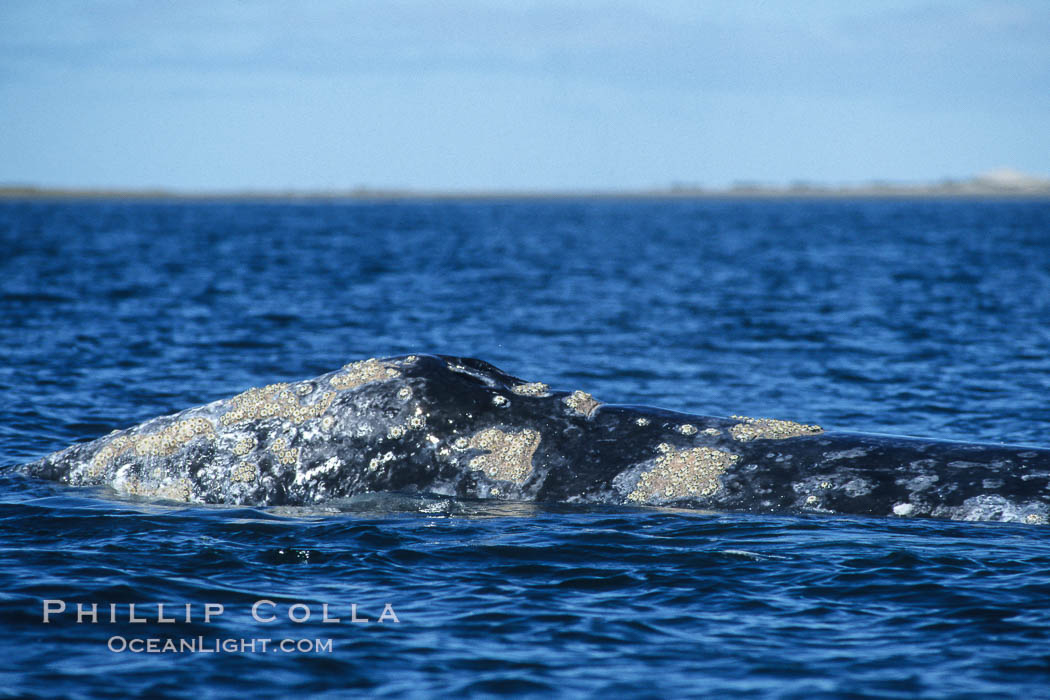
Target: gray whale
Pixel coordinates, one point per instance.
(461, 427)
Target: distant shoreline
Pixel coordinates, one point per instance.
(970, 189)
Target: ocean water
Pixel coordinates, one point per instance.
(927, 318)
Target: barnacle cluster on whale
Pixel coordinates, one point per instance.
(770, 429)
(505, 456)
(682, 472)
(461, 427)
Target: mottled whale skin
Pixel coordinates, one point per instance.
(461, 427)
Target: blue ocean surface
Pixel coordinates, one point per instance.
(928, 318)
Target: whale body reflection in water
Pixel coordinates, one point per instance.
(460, 427)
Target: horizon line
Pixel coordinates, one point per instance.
(972, 187)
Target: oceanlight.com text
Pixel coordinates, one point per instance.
(217, 645)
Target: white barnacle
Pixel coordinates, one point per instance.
(770, 429)
(531, 389)
(903, 509)
(244, 445)
(364, 372)
(581, 402)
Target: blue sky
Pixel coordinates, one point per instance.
(519, 95)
